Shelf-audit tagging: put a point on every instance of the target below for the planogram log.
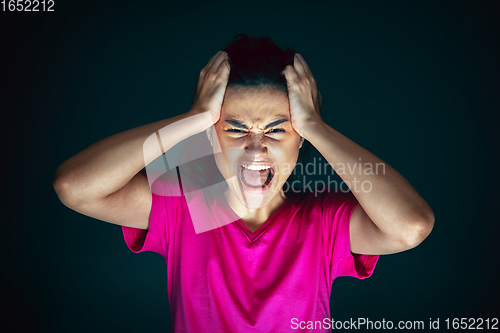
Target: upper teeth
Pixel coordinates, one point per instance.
(255, 167)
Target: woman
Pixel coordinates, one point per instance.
(246, 251)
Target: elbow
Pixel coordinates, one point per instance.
(64, 190)
(420, 229)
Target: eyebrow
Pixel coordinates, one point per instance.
(236, 123)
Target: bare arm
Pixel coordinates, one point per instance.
(104, 180)
(391, 216)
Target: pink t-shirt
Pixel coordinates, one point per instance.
(229, 279)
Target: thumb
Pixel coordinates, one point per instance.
(284, 70)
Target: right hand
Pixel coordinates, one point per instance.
(211, 86)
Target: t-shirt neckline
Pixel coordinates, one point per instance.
(253, 236)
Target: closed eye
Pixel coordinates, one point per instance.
(235, 130)
(276, 130)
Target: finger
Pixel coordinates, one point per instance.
(211, 61)
(205, 69)
(217, 61)
(225, 63)
(224, 67)
(290, 74)
(299, 68)
(203, 73)
(304, 63)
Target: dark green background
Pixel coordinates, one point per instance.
(415, 82)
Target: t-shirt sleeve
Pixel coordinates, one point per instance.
(166, 209)
(337, 208)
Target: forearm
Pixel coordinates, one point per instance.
(386, 196)
(109, 164)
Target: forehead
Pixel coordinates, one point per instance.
(255, 104)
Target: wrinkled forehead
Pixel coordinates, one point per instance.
(255, 104)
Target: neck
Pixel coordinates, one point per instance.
(254, 218)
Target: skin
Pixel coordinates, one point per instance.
(104, 180)
(255, 126)
(391, 217)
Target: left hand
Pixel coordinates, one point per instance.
(303, 95)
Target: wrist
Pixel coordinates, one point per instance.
(209, 114)
(310, 127)
(199, 119)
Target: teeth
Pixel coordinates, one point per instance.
(256, 167)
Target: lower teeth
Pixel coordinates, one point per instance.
(269, 178)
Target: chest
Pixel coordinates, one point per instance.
(282, 247)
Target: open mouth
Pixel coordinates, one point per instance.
(256, 176)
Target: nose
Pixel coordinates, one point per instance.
(255, 147)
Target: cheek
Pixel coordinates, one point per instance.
(226, 153)
(286, 154)
(219, 153)
(288, 147)
(222, 142)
